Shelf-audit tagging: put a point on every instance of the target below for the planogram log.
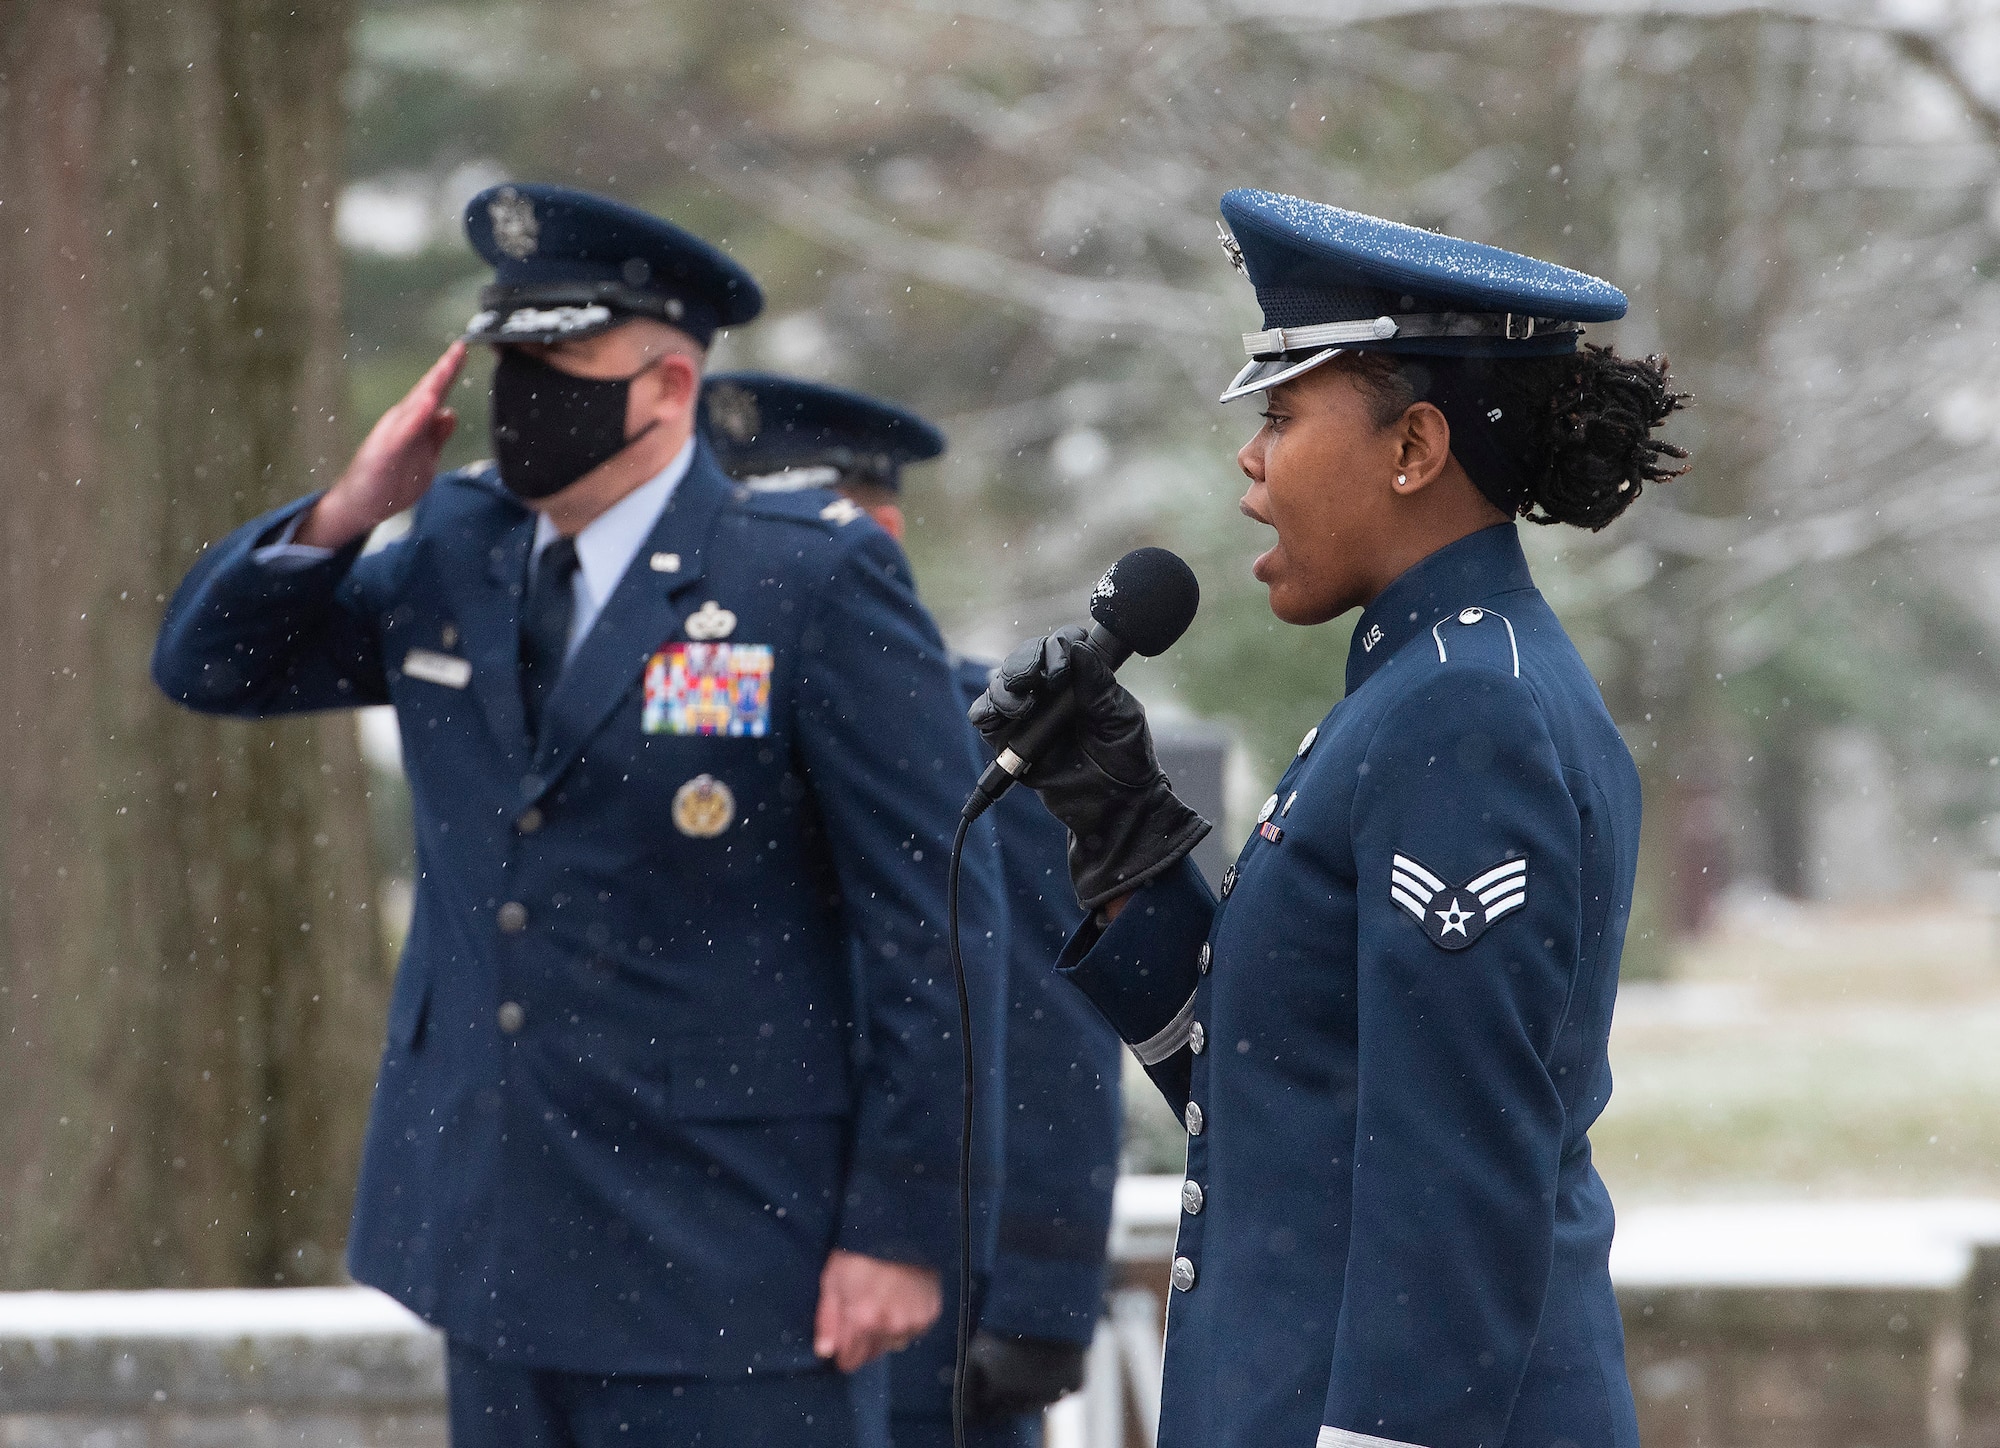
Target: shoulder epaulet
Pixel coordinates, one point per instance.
(819, 507)
(1477, 636)
(484, 474)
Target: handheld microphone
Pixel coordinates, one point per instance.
(1142, 605)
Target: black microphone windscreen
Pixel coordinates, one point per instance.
(1148, 598)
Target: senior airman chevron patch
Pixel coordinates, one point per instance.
(1454, 916)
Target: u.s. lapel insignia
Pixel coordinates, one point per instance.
(704, 807)
(515, 230)
(710, 622)
(1454, 916)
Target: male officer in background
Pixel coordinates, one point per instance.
(622, 1150)
(1042, 1299)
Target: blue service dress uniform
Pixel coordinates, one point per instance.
(622, 1118)
(1387, 1041)
(1061, 1136)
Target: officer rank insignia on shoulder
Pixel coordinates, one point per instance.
(711, 688)
(1454, 916)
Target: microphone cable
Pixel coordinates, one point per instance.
(964, 1139)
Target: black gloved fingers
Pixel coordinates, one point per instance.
(1007, 1376)
(1115, 736)
(1056, 651)
(1023, 676)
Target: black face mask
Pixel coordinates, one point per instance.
(550, 428)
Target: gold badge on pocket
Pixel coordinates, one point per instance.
(704, 807)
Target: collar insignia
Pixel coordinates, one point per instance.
(1454, 916)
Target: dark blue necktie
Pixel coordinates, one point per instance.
(545, 621)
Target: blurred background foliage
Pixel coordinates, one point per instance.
(235, 240)
(1004, 215)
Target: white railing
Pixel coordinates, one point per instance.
(1903, 1296)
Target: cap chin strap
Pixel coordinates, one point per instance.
(1275, 354)
(1506, 326)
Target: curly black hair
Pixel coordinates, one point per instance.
(1586, 427)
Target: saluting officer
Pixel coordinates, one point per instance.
(1387, 1037)
(673, 855)
(1042, 1298)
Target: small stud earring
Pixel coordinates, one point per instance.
(1402, 480)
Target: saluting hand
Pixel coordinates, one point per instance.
(868, 1307)
(394, 463)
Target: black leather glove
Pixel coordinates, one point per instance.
(1101, 778)
(1008, 1376)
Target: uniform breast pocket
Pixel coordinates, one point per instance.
(747, 1079)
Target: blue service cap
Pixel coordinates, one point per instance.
(781, 432)
(1330, 281)
(569, 264)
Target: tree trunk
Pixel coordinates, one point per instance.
(191, 975)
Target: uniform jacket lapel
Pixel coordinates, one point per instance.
(647, 607)
(484, 572)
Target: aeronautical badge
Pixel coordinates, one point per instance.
(710, 622)
(703, 807)
(1454, 916)
(734, 410)
(708, 689)
(515, 230)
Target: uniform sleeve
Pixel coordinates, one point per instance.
(1063, 1110)
(1141, 972)
(890, 759)
(250, 636)
(1462, 818)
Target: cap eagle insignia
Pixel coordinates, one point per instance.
(515, 229)
(733, 409)
(1230, 248)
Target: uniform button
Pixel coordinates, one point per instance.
(1472, 615)
(1192, 1116)
(1270, 808)
(1204, 958)
(1183, 1274)
(1197, 1038)
(513, 917)
(1307, 742)
(1228, 881)
(529, 821)
(511, 1017)
(1192, 1199)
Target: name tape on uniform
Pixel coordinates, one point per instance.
(709, 689)
(436, 668)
